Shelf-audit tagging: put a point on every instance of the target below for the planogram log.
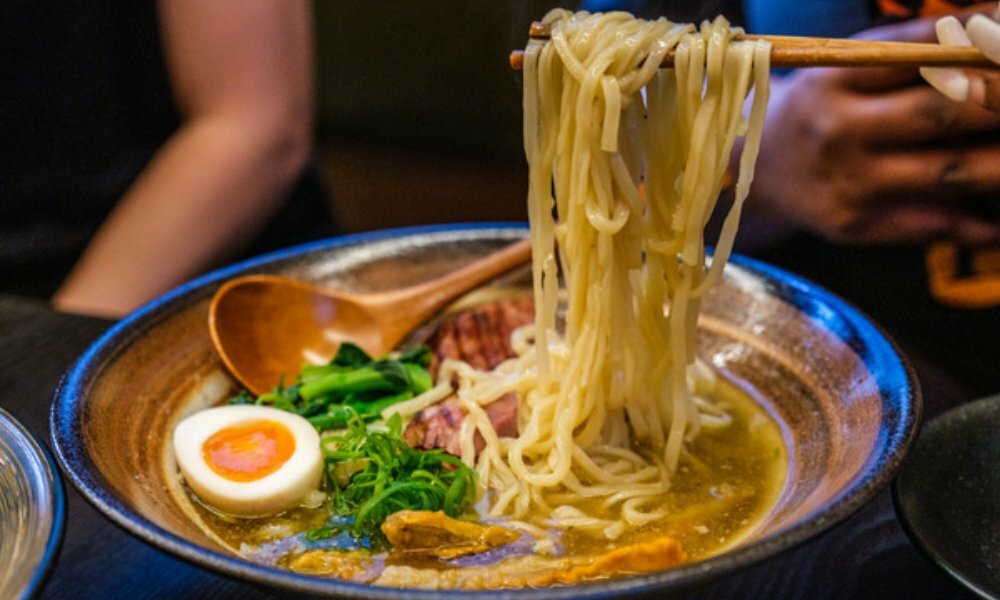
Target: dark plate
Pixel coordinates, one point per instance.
(948, 494)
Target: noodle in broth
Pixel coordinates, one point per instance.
(631, 159)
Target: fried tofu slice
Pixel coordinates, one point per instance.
(646, 557)
(349, 566)
(435, 534)
(538, 571)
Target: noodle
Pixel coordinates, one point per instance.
(631, 159)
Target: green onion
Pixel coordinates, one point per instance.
(394, 477)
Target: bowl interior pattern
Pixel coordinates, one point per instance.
(846, 398)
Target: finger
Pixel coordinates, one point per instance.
(950, 32)
(895, 223)
(940, 172)
(918, 115)
(911, 223)
(925, 221)
(985, 34)
(953, 83)
(985, 86)
(975, 231)
(984, 89)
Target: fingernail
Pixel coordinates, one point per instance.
(953, 83)
(951, 33)
(985, 34)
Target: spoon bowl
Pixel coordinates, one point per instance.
(265, 327)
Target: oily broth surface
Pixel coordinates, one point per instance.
(723, 489)
(721, 492)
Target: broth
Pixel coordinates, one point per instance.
(723, 488)
(722, 491)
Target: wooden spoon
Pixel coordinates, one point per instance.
(264, 326)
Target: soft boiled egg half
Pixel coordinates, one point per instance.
(248, 461)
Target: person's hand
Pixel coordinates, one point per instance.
(867, 155)
(979, 86)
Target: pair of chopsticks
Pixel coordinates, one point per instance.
(791, 51)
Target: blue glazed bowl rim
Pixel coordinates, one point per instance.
(895, 377)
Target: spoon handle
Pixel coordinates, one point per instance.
(406, 308)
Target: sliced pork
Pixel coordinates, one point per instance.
(480, 337)
(438, 426)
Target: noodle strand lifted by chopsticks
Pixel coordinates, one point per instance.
(627, 161)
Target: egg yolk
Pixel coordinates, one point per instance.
(249, 452)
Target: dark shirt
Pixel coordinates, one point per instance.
(85, 103)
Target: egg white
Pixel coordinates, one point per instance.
(276, 492)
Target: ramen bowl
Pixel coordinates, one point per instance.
(844, 396)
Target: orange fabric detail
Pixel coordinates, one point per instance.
(987, 260)
(892, 8)
(936, 8)
(927, 8)
(978, 287)
(249, 452)
(728, 180)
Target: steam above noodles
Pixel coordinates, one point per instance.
(627, 161)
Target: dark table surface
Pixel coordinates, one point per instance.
(866, 556)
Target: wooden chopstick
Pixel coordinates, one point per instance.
(792, 51)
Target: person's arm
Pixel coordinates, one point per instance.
(863, 156)
(241, 72)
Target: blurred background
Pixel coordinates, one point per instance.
(427, 128)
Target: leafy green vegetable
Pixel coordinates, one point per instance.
(324, 394)
(244, 397)
(420, 356)
(350, 355)
(392, 378)
(335, 418)
(372, 474)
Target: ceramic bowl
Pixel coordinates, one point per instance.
(845, 396)
(32, 511)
